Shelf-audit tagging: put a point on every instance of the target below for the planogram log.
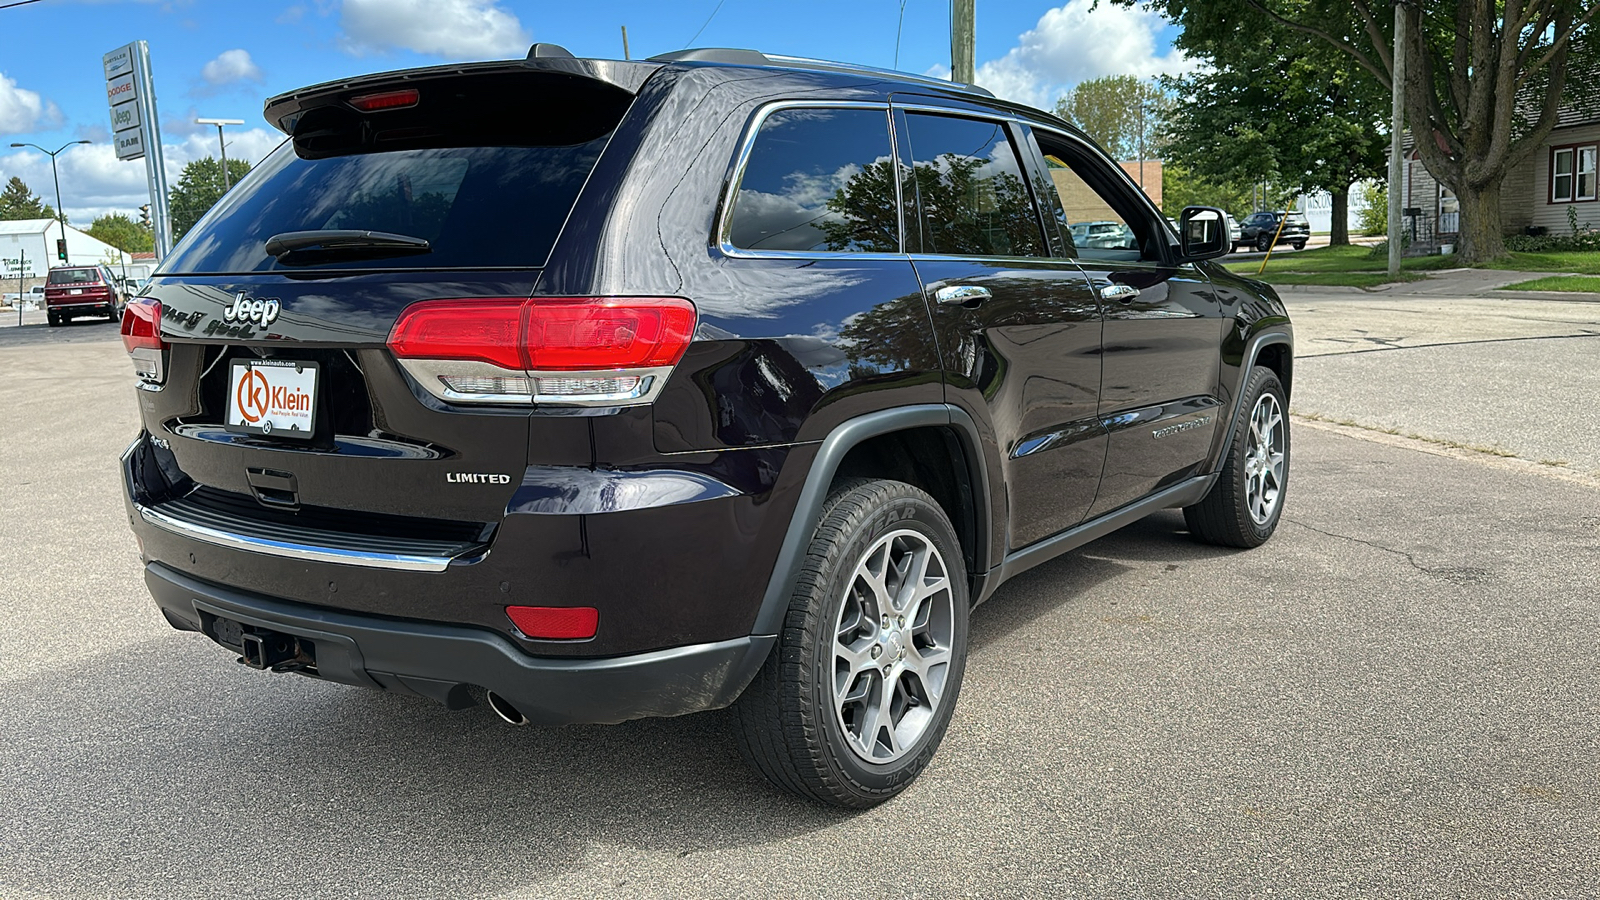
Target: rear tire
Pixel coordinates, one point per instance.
(1299, 245)
(53, 319)
(1263, 242)
(855, 698)
(1243, 507)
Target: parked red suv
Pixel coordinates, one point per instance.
(73, 291)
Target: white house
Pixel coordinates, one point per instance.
(28, 249)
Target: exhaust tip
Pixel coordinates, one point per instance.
(505, 710)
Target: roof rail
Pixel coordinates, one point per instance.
(832, 66)
(757, 58)
(717, 55)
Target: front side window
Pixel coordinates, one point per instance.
(819, 180)
(972, 198)
(1561, 175)
(1106, 223)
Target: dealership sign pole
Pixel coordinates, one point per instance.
(135, 130)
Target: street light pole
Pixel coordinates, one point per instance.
(222, 148)
(61, 213)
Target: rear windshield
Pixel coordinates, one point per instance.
(74, 276)
(483, 189)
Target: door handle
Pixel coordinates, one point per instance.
(1124, 292)
(968, 295)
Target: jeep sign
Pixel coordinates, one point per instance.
(134, 129)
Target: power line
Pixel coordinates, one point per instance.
(18, 3)
(707, 22)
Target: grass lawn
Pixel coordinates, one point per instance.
(1320, 266)
(1587, 283)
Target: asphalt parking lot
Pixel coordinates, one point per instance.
(1396, 696)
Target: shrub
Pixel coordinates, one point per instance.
(1554, 243)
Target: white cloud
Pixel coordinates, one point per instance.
(1076, 42)
(22, 110)
(455, 29)
(230, 66)
(95, 182)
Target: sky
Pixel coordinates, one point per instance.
(223, 58)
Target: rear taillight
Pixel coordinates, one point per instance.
(141, 335)
(572, 351)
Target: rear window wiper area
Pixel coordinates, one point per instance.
(305, 247)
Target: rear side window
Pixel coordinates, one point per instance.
(74, 276)
(970, 189)
(819, 180)
(486, 171)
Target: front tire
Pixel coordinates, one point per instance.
(852, 703)
(1243, 507)
(1299, 245)
(1263, 242)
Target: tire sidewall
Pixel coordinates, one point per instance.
(1262, 381)
(903, 512)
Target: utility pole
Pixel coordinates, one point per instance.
(222, 148)
(1396, 126)
(625, 43)
(963, 41)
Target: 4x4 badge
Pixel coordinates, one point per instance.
(246, 309)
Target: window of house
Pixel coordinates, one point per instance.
(971, 192)
(1586, 173)
(819, 180)
(1561, 175)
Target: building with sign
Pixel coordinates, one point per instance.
(28, 248)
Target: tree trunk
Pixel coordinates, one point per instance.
(1481, 238)
(1339, 228)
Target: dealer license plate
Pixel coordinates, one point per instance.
(273, 396)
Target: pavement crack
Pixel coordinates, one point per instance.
(1457, 574)
(1379, 346)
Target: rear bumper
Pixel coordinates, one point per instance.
(77, 306)
(441, 661)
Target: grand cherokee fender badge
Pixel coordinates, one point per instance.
(475, 478)
(246, 309)
(1170, 430)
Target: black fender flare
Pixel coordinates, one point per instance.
(1252, 351)
(808, 509)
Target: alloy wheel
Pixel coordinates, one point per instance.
(892, 646)
(1264, 459)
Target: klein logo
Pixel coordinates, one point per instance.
(245, 309)
(257, 398)
(475, 478)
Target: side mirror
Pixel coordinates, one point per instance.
(1203, 233)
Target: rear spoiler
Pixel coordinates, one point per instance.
(283, 111)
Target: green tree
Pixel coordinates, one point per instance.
(17, 202)
(1123, 114)
(1281, 108)
(1181, 187)
(122, 233)
(199, 188)
(1375, 214)
(1485, 82)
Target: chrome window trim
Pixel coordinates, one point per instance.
(742, 160)
(302, 552)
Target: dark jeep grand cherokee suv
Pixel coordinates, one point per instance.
(600, 389)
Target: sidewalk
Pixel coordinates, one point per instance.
(1484, 283)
